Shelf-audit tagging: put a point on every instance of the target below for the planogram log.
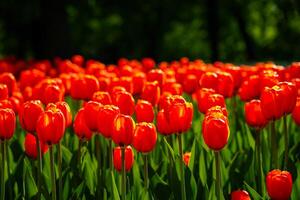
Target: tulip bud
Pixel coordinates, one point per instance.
(64, 108)
(250, 88)
(144, 138)
(151, 92)
(91, 110)
(9, 80)
(106, 118)
(253, 114)
(3, 92)
(144, 111)
(80, 127)
(186, 158)
(30, 146)
(7, 123)
(279, 184)
(124, 101)
(102, 97)
(289, 92)
(123, 130)
(240, 195)
(29, 114)
(117, 158)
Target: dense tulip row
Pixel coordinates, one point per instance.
(145, 114)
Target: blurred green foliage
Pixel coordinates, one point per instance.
(229, 30)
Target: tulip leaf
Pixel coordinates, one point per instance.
(115, 193)
(252, 191)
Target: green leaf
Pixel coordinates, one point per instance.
(252, 192)
(115, 193)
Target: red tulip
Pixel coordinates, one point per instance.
(7, 123)
(190, 83)
(50, 126)
(172, 88)
(217, 109)
(250, 88)
(84, 86)
(52, 94)
(289, 92)
(148, 63)
(296, 112)
(106, 118)
(151, 92)
(209, 80)
(212, 100)
(80, 127)
(64, 108)
(9, 80)
(124, 101)
(6, 104)
(156, 75)
(215, 130)
(30, 146)
(202, 96)
(123, 130)
(186, 158)
(91, 110)
(3, 92)
(102, 97)
(236, 74)
(30, 78)
(271, 102)
(254, 115)
(163, 126)
(144, 111)
(129, 158)
(138, 80)
(29, 114)
(145, 137)
(268, 78)
(279, 184)
(225, 84)
(240, 195)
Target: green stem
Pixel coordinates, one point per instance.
(52, 173)
(218, 174)
(110, 155)
(79, 154)
(286, 143)
(39, 168)
(274, 146)
(123, 173)
(258, 162)
(3, 170)
(8, 169)
(183, 197)
(146, 182)
(59, 157)
(97, 146)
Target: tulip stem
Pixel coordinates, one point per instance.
(59, 170)
(3, 170)
(79, 154)
(110, 155)
(123, 173)
(52, 173)
(286, 143)
(183, 197)
(146, 182)
(39, 168)
(258, 162)
(218, 174)
(97, 146)
(274, 146)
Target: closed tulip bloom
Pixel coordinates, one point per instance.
(217, 109)
(84, 86)
(30, 146)
(144, 111)
(6, 103)
(64, 108)
(225, 84)
(250, 88)
(172, 88)
(80, 127)
(52, 94)
(162, 125)
(123, 130)
(151, 92)
(148, 63)
(215, 130)
(106, 119)
(214, 100)
(268, 78)
(145, 137)
(296, 112)
(253, 114)
(186, 158)
(279, 184)
(124, 100)
(271, 102)
(29, 113)
(190, 83)
(91, 110)
(138, 80)
(240, 195)
(3, 92)
(156, 75)
(117, 158)
(289, 92)
(102, 97)
(7, 123)
(202, 96)
(236, 74)
(50, 126)
(209, 80)
(9, 80)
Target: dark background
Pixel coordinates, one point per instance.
(227, 30)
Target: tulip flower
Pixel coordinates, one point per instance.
(102, 97)
(29, 114)
(83, 87)
(209, 80)
(123, 130)
(3, 92)
(7, 123)
(250, 88)
(240, 195)
(64, 108)
(124, 100)
(9, 80)
(190, 83)
(129, 158)
(151, 92)
(156, 75)
(80, 127)
(138, 80)
(279, 184)
(163, 126)
(296, 112)
(225, 84)
(209, 100)
(31, 148)
(91, 110)
(186, 158)
(253, 114)
(148, 63)
(144, 111)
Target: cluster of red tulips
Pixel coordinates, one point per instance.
(127, 104)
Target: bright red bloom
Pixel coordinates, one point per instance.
(186, 158)
(3, 92)
(172, 88)
(78, 59)
(30, 78)
(202, 96)
(138, 80)
(289, 92)
(217, 109)
(268, 78)
(52, 94)
(190, 83)
(156, 75)
(29, 113)
(50, 126)
(212, 100)
(9, 80)
(240, 195)
(209, 80)
(145, 137)
(163, 126)
(272, 102)
(125, 101)
(236, 74)
(250, 88)
(30, 146)
(225, 84)
(215, 130)
(80, 127)
(148, 63)
(102, 97)
(106, 119)
(7, 123)
(84, 86)
(253, 114)
(151, 92)
(129, 158)
(123, 130)
(64, 108)
(144, 111)
(296, 112)
(91, 110)
(279, 184)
